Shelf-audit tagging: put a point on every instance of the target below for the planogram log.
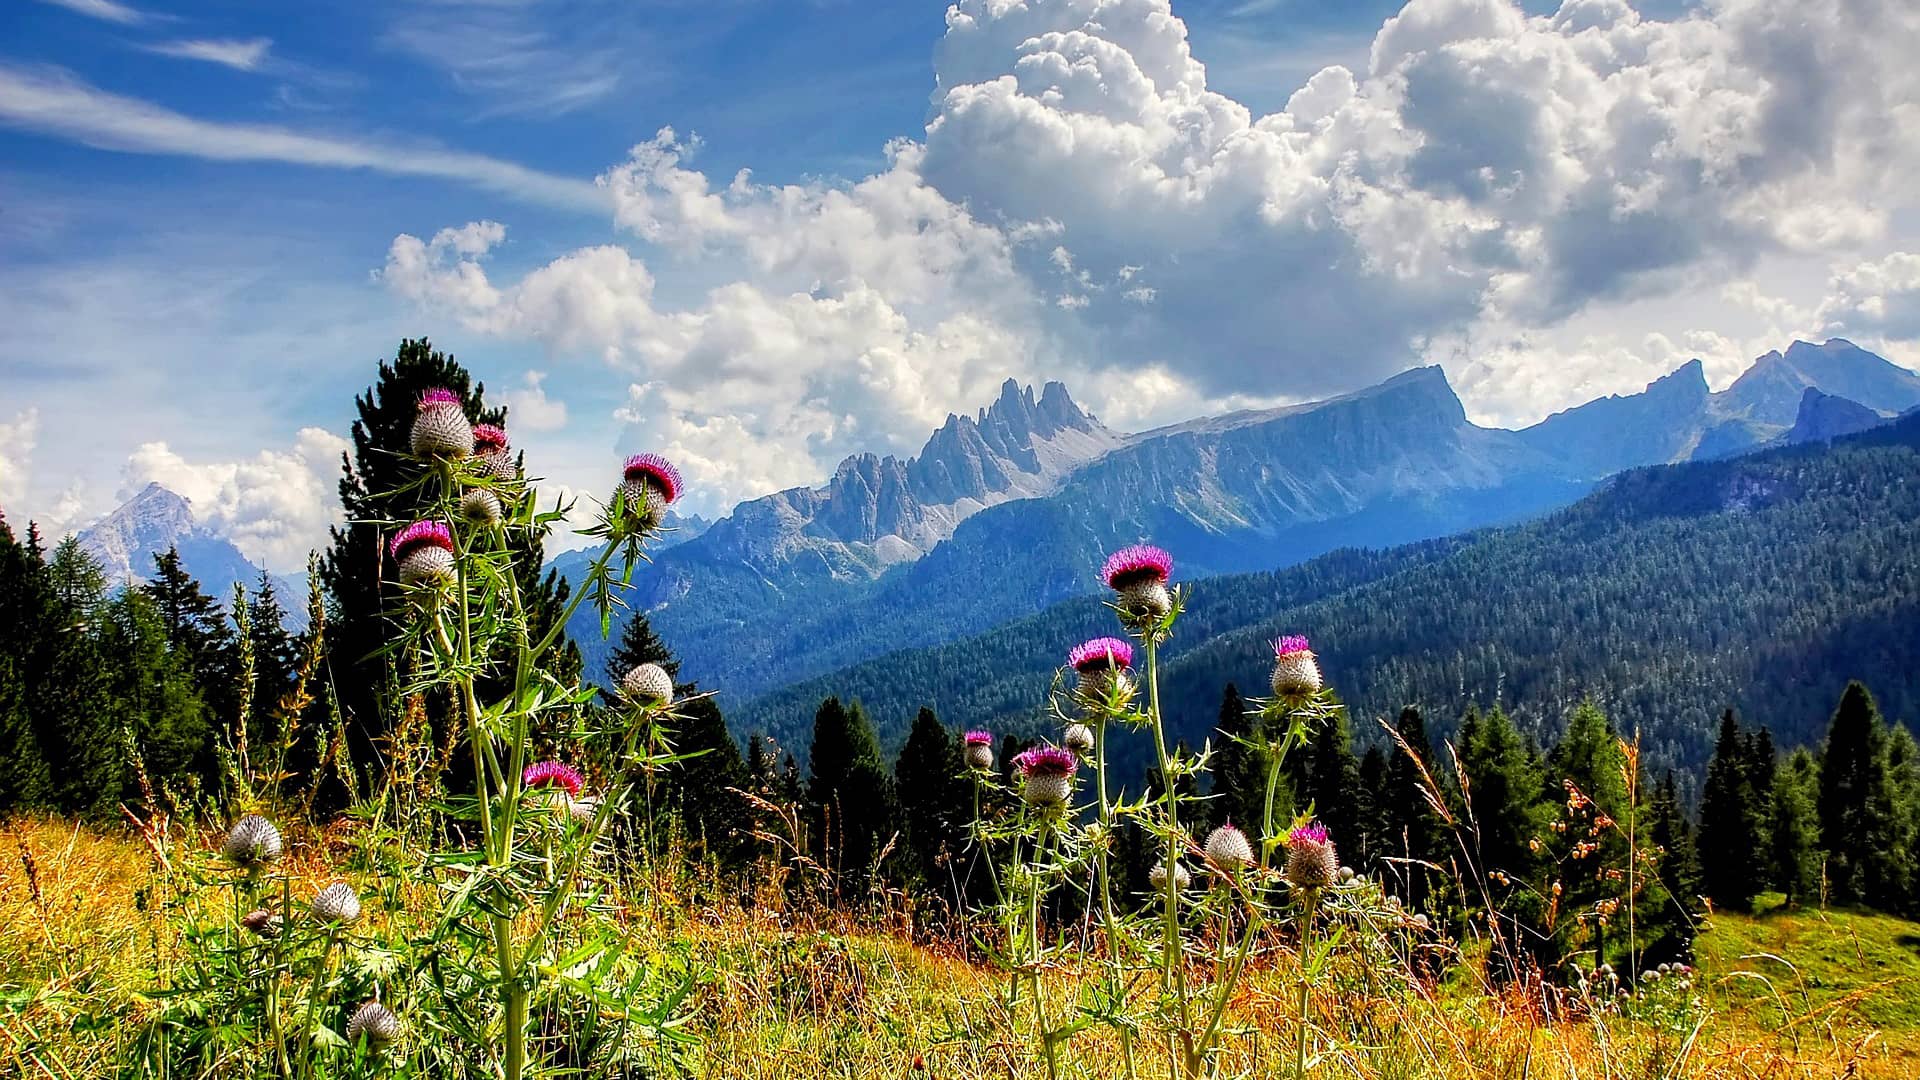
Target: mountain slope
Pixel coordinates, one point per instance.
(1394, 463)
(1829, 416)
(1762, 582)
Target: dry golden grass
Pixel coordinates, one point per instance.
(83, 935)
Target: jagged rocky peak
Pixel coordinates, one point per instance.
(152, 520)
(1828, 416)
(868, 497)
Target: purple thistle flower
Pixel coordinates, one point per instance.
(1290, 644)
(1315, 833)
(489, 437)
(552, 774)
(978, 748)
(1046, 761)
(1312, 862)
(655, 470)
(1100, 654)
(1135, 565)
(421, 534)
(439, 395)
(977, 737)
(1228, 849)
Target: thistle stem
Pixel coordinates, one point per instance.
(1109, 925)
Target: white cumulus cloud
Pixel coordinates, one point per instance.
(275, 506)
(17, 440)
(1880, 298)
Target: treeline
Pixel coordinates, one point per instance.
(1766, 581)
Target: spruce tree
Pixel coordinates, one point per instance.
(1372, 833)
(934, 800)
(639, 645)
(1763, 763)
(1240, 772)
(1415, 832)
(1891, 879)
(1794, 829)
(1852, 794)
(850, 793)
(1671, 919)
(1729, 827)
(1333, 781)
(1502, 806)
(73, 704)
(705, 786)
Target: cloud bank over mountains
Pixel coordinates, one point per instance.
(1083, 205)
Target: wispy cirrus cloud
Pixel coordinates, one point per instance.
(240, 54)
(529, 57)
(53, 102)
(107, 10)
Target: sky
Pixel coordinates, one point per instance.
(760, 236)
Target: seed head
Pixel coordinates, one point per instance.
(440, 428)
(648, 684)
(1228, 851)
(337, 904)
(252, 843)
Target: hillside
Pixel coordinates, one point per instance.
(1762, 582)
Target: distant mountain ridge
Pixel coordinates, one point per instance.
(1036, 491)
(1667, 595)
(125, 541)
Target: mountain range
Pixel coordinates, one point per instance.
(1761, 582)
(125, 541)
(1009, 511)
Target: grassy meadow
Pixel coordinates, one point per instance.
(90, 938)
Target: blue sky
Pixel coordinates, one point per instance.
(214, 217)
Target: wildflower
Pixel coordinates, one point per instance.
(1139, 574)
(481, 507)
(1296, 673)
(377, 1023)
(1048, 772)
(252, 843)
(552, 774)
(1228, 850)
(337, 904)
(424, 551)
(1079, 739)
(490, 447)
(1311, 861)
(261, 922)
(648, 684)
(979, 749)
(648, 483)
(1102, 665)
(1157, 877)
(584, 809)
(440, 428)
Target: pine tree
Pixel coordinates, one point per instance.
(639, 645)
(1240, 772)
(704, 788)
(1892, 873)
(1729, 829)
(73, 705)
(1794, 829)
(1762, 764)
(934, 800)
(276, 659)
(1333, 781)
(1372, 834)
(25, 603)
(157, 699)
(850, 793)
(1502, 807)
(377, 495)
(1852, 794)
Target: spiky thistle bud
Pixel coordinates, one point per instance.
(440, 428)
(337, 904)
(1078, 738)
(1100, 665)
(648, 484)
(1296, 672)
(1157, 877)
(648, 684)
(252, 843)
(979, 749)
(1139, 575)
(377, 1024)
(1228, 850)
(584, 809)
(1048, 775)
(1311, 861)
(261, 922)
(481, 507)
(424, 551)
